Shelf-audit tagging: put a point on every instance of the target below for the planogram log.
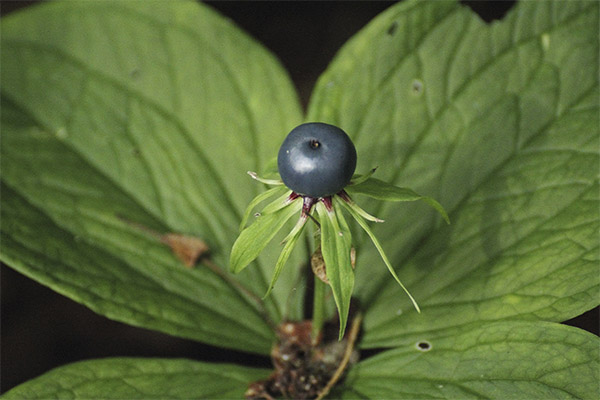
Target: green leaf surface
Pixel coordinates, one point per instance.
(163, 295)
(137, 378)
(148, 114)
(505, 360)
(336, 245)
(498, 122)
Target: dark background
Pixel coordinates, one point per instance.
(41, 330)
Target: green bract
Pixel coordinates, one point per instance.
(335, 238)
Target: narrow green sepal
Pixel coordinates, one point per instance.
(336, 245)
(254, 175)
(259, 199)
(381, 190)
(438, 207)
(358, 179)
(367, 229)
(289, 243)
(255, 237)
(279, 203)
(350, 203)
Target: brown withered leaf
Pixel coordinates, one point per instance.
(317, 263)
(188, 249)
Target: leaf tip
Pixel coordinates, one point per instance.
(342, 332)
(255, 176)
(414, 302)
(232, 268)
(268, 292)
(446, 218)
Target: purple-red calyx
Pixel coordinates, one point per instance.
(308, 202)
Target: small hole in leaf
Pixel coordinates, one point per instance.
(257, 214)
(135, 73)
(392, 29)
(416, 87)
(423, 345)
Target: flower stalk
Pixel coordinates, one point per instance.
(318, 314)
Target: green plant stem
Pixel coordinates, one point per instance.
(318, 309)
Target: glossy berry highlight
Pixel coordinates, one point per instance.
(316, 160)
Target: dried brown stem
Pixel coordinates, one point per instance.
(352, 335)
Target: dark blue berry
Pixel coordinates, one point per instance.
(316, 160)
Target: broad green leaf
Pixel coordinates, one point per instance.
(161, 295)
(122, 114)
(506, 360)
(336, 244)
(140, 378)
(498, 122)
(381, 190)
(263, 229)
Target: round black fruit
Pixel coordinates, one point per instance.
(316, 160)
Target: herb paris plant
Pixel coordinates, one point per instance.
(150, 112)
(316, 162)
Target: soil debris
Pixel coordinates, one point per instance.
(303, 370)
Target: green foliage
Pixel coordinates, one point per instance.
(123, 115)
(133, 378)
(116, 114)
(160, 294)
(503, 132)
(517, 360)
